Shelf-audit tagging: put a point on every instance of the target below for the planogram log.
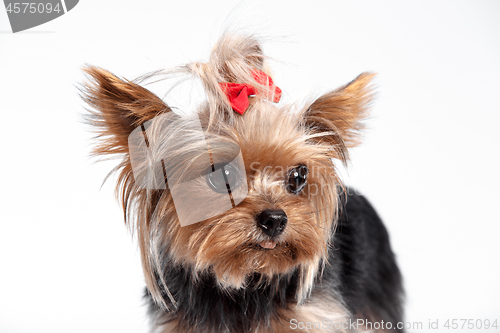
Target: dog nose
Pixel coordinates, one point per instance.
(272, 221)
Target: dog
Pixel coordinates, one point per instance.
(242, 220)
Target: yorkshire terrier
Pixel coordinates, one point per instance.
(242, 220)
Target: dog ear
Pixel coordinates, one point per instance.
(118, 107)
(336, 117)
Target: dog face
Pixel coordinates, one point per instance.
(284, 220)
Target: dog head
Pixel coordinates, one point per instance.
(227, 193)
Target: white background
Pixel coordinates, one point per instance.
(430, 162)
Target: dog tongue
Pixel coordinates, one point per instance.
(268, 244)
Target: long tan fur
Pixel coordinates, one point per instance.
(272, 140)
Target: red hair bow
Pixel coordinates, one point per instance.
(238, 93)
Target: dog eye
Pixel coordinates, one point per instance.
(297, 179)
(224, 176)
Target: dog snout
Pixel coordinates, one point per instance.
(272, 221)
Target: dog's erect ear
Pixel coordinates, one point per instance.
(118, 107)
(337, 115)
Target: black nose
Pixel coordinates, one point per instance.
(272, 221)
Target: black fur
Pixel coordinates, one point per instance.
(361, 270)
(370, 281)
(204, 306)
